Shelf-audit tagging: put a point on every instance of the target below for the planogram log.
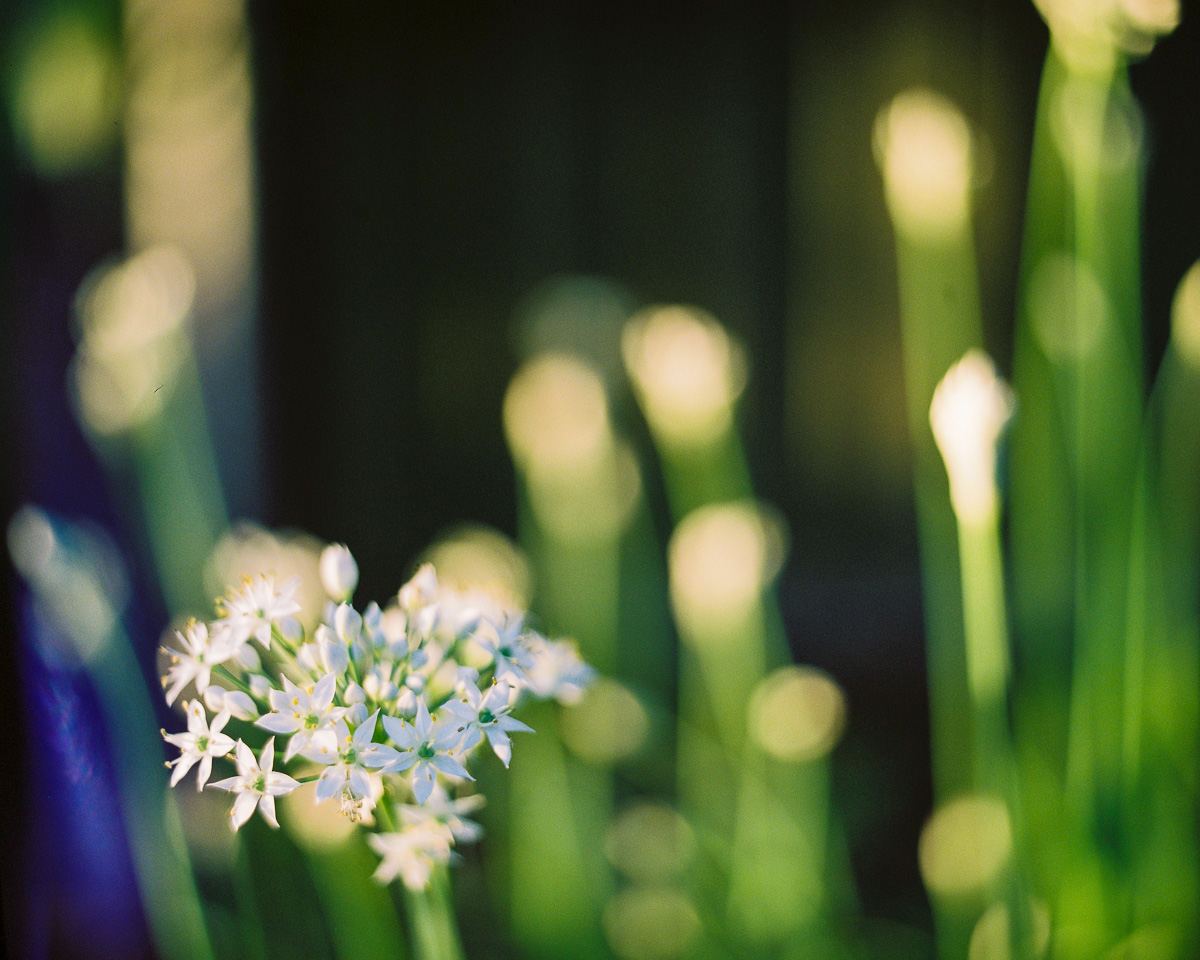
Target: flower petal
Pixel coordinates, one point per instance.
(266, 806)
(243, 808)
(330, 783)
(448, 765)
(279, 722)
(423, 779)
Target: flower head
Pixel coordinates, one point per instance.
(350, 760)
(487, 714)
(505, 643)
(411, 854)
(451, 814)
(558, 672)
(256, 785)
(302, 712)
(200, 743)
(427, 748)
(197, 653)
(970, 410)
(258, 606)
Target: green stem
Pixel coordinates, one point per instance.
(434, 930)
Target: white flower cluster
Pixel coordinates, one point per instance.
(378, 707)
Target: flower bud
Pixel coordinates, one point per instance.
(309, 657)
(339, 572)
(373, 619)
(357, 714)
(214, 698)
(240, 705)
(406, 703)
(248, 657)
(355, 694)
(347, 623)
(259, 686)
(970, 410)
(334, 657)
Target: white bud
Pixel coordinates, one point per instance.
(394, 624)
(291, 629)
(339, 572)
(214, 698)
(240, 705)
(334, 657)
(372, 618)
(259, 686)
(347, 623)
(406, 703)
(355, 694)
(248, 657)
(309, 657)
(357, 714)
(971, 408)
(415, 682)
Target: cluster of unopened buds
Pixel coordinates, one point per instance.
(383, 708)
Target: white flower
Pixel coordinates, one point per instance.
(505, 644)
(558, 672)
(439, 808)
(198, 653)
(201, 742)
(256, 785)
(302, 712)
(426, 748)
(339, 572)
(258, 606)
(487, 715)
(348, 758)
(410, 854)
(970, 409)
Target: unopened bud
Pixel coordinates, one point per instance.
(339, 572)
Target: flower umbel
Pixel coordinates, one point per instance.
(359, 676)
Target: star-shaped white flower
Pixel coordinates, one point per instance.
(558, 672)
(505, 643)
(487, 714)
(253, 610)
(302, 712)
(349, 759)
(451, 814)
(411, 854)
(427, 748)
(256, 785)
(201, 743)
(197, 654)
